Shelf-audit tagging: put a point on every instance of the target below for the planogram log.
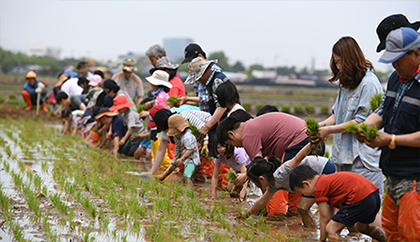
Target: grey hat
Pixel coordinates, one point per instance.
(164, 62)
(399, 42)
(197, 67)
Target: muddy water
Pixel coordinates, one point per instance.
(42, 163)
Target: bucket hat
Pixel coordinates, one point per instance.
(399, 42)
(159, 78)
(161, 119)
(390, 23)
(197, 67)
(120, 102)
(176, 124)
(164, 62)
(128, 65)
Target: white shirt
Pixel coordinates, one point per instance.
(71, 88)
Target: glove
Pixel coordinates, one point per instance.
(39, 88)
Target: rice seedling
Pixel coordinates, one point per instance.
(59, 204)
(352, 127)
(312, 129)
(33, 202)
(140, 108)
(37, 180)
(375, 101)
(6, 166)
(105, 223)
(194, 129)
(370, 132)
(172, 101)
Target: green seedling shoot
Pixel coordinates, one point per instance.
(370, 132)
(231, 176)
(352, 127)
(140, 108)
(194, 130)
(173, 101)
(312, 129)
(375, 101)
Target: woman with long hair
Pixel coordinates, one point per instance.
(357, 84)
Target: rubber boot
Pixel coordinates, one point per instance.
(44, 107)
(27, 98)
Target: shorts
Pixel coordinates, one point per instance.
(189, 169)
(376, 177)
(329, 168)
(364, 211)
(145, 149)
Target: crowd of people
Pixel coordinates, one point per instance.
(271, 150)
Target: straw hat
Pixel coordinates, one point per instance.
(30, 74)
(128, 65)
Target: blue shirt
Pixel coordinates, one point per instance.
(118, 127)
(349, 105)
(30, 89)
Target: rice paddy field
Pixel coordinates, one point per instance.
(60, 188)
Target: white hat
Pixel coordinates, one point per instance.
(159, 78)
(197, 67)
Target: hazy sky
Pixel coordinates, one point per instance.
(270, 33)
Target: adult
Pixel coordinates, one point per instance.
(82, 69)
(112, 90)
(32, 91)
(201, 95)
(178, 88)
(399, 114)
(200, 71)
(128, 81)
(390, 23)
(154, 53)
(75, 102)
(70, 86)
(357, 84)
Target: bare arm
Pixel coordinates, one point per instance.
(333, 129)
(213, 120)
(116, 145)
(374, 119)
(126, 136)
(139, 99)
(329, 121)
(260, 203)
(383, 139)
(82, 107)
(215, 180)
(242, 178)
(326, 212)
(160, 154)
(295, 161)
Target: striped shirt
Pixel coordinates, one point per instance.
(196, 118)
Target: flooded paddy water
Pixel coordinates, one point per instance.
(59, 188)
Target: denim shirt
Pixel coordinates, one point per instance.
(349, 105)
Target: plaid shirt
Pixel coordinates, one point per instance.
(404, 86)
(201, 92)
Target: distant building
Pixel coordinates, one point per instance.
(175, 47)
(40, 50)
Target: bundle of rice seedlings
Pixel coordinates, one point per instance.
(194, 130)
(231, 176)
(140, 108)
(370, 132)
(312, 128)
(375, 101)
(173, 101)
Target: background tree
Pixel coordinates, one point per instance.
(222, 60)
(238, 66)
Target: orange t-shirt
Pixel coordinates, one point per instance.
(342, 187)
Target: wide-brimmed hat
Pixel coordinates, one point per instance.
(128, 65)
(197, 67)
(176, 124)
(161, 119)
(104, 112)
(390, 23)
(30, 74)
(191, 51)
(164, 62)
(95, 80)
(151, 124)
(159, 78)
(399, 42)
(120, 102)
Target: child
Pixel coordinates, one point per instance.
(228, 97)
(159, 81)
(115, 124)
(355, 196)
(268, 175)
(145, 146)
(186, 149)
(133, 123)
(72, 119)
(235, 158)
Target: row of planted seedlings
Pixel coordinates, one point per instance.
(119, 204)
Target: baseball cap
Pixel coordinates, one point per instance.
(399, 42)
(390, 23)
(191, 51)
(151, 124)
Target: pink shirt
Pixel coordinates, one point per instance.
(161, 99)
(272, 133)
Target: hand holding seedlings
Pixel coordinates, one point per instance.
(381, 139)
(173, 102)
(369, 133)
(312, 131)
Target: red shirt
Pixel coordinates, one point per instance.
(272, 133)
(341, 187)
(178, 88)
